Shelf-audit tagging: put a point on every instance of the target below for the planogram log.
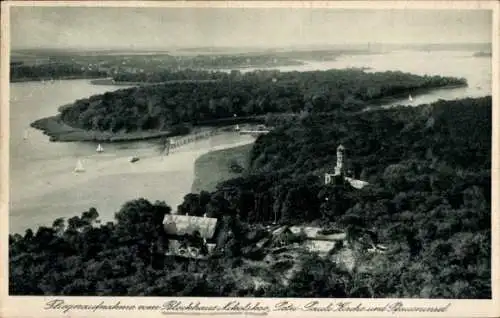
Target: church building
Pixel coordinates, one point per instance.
(340, 171)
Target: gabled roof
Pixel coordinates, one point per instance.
(176, 224)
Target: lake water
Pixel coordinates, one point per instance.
(44, 187)
(477, 70)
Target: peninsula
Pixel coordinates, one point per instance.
(166, 109)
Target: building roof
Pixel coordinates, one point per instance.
(312, 233)
(319, 246)
(176, 224)
(279, 230)
(358, 184)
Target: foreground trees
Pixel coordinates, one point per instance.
(429, 202)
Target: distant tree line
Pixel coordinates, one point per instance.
(159, 107)
(165, 76)
(49, 71)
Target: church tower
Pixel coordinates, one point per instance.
(339, 168)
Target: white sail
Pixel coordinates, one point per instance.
(410, 98)
(99, 148)
(26, 135)
(237, 128)
(79, 166)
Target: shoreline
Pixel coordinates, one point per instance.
(58, 131)
(111, 82)
(143, 178)
(379, 102)
(61, 132)
(48, 79)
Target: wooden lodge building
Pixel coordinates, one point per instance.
(189, 236)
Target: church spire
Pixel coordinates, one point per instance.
(339, 168)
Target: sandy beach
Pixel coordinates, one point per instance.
(109, 180)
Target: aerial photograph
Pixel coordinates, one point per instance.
(250, 152)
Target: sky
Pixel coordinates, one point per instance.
(165, 28)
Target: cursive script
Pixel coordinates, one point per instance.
(243, 307)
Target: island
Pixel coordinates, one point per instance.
(133, 65)
(150, 111)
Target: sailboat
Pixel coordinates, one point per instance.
(237, 128)
(99, 148)
(410, 98)
(25, 136)
(79, 167)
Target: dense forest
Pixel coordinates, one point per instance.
(165, 76)
(159, 107)
(49, 71)
(429, 169)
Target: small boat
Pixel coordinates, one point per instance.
(99, 148)
(410, 98)
(26, 135)
(237, 128)
(134, 159)
(79, 167)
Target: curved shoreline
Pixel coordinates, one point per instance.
(111, 82)
(415, 93)
(67, 189)
(48, 79)
(57, 130)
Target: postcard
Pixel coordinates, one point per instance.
(248, 158)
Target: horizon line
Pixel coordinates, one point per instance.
(129, 48)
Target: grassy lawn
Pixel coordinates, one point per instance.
(215, 166)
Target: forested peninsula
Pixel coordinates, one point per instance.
(160, 109)
(428, 201)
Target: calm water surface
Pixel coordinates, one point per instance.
(44, 187)
(477, 70)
